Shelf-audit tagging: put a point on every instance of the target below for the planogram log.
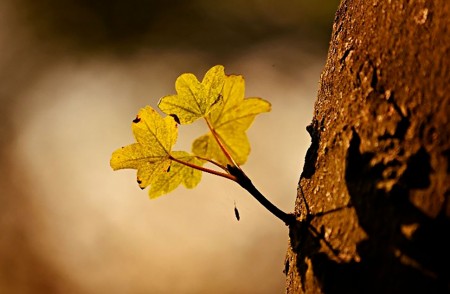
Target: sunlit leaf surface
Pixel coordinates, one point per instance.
(194, 99)
(229, 121)
(219, 100)
(152, 154)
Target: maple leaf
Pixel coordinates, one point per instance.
(152, 155)
(194, 99)
(219, 99)
(177, 174)
(228, 123)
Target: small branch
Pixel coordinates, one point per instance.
(204, 169)
(246, 183)
(235, 173)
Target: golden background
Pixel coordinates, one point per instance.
(73, 76)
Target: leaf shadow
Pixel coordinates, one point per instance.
(306, 240)
(390, 260)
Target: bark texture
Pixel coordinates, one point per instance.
(375, 215)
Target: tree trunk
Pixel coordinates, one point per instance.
(374, 217)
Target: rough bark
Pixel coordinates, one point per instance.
(374, 217)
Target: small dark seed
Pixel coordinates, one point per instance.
(236, 213)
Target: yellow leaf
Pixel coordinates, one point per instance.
(153, 157)
(219, 99)
(177, 174)
(194, 99)
(229, 121)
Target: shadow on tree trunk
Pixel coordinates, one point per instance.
(405, 250)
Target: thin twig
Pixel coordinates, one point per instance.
(204, 169)
(222, 147)
(212, 161)
(246, 183)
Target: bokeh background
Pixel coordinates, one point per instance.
(74, 73)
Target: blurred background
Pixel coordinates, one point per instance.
(74, 73)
